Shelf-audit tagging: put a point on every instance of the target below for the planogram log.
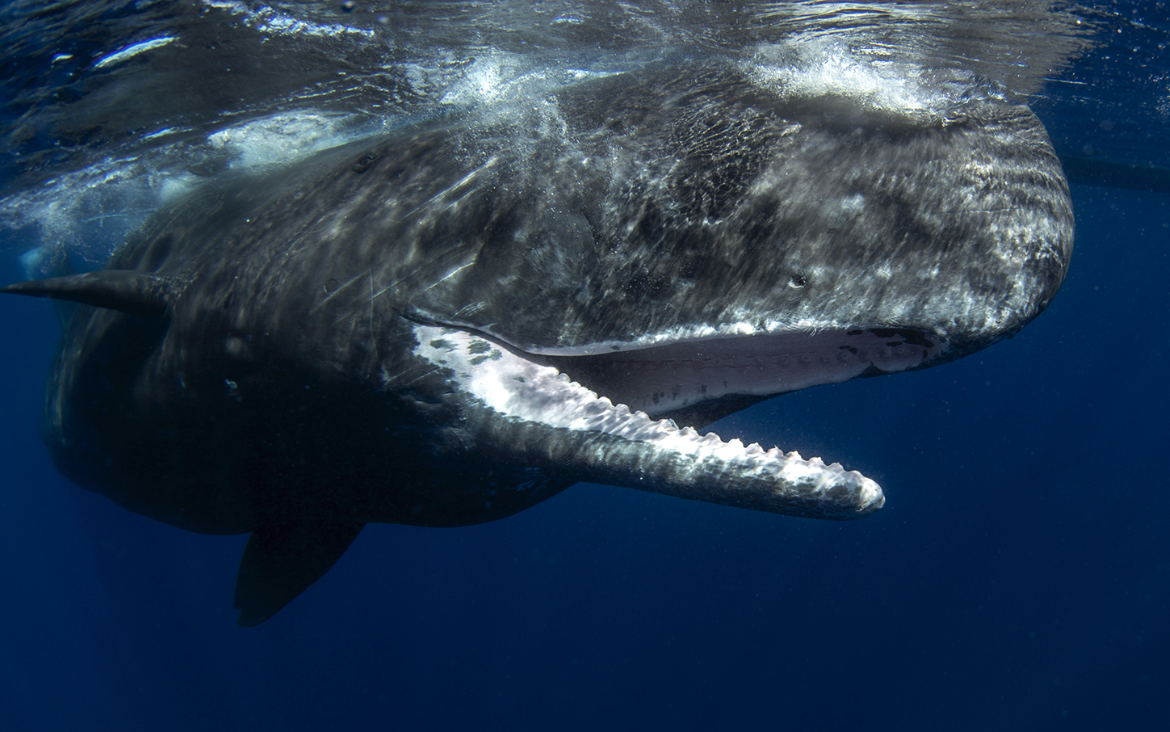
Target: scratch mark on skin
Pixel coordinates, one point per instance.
(425, 374)
(416, 270)
(339, 289)
(470, 177)
(373, 336)
(450, 274)
(376, 294)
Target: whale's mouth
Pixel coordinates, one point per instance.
(561, 414)
(698, 381)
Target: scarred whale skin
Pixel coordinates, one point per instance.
(427, 328)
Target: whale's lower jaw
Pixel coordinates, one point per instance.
(546, 409)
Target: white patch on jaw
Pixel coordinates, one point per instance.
(520, 389)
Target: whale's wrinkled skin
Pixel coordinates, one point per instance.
(456, 321)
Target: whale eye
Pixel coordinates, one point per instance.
(797, 281)
(363, 163)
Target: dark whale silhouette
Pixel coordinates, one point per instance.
(453, 322)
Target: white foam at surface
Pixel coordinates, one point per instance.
(818, 66)
(281, 138)
(271, 20)
(485, 80)
(509, 86)
(174, 186)
(89, 212)
(32, 261)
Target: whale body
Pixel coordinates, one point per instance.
(455, 321)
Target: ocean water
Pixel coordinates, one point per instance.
(1018, 577)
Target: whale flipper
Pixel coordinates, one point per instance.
(128, 291)
(281, 561)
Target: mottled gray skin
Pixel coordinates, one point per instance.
(259, 371)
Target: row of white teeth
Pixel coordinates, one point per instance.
(711, 439)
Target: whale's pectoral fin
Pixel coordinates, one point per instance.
(281, 561)
(130, 291)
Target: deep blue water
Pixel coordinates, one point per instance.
(1017, 579)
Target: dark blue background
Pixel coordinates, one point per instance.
(1018, 578)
